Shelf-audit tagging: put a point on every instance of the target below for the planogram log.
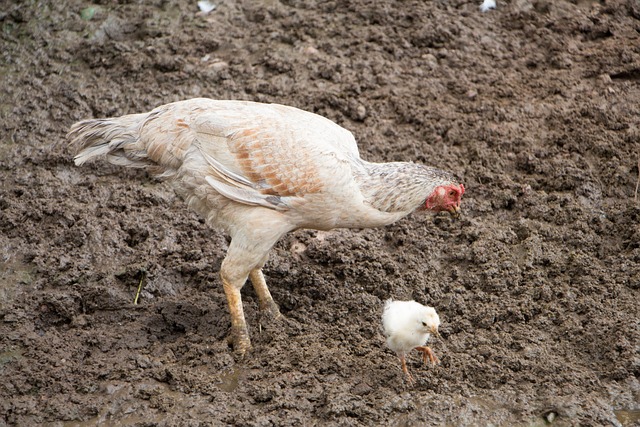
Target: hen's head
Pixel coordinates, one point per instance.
(445, 198)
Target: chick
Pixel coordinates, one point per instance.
(408, 326)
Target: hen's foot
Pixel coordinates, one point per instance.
(270, 311)
(239, 340)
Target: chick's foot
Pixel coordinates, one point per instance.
(427, 354)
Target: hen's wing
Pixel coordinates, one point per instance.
(256, 154)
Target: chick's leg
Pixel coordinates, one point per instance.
(403, 360)
(267, 304)
(427, 354)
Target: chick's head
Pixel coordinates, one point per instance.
(428, 320)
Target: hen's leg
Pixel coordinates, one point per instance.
(234, 272)
(264, 296)
(239, 333)
(427, 354)
(247, 253)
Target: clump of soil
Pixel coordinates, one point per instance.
(533, 105)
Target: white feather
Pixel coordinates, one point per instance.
(247, 196)
(487, 5)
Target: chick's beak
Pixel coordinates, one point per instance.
(434, 331)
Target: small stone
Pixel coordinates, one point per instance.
(605, 78)
(219, 65)
(311, 51)
(88, 13)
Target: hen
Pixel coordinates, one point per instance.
(408, 325)
(259, 171)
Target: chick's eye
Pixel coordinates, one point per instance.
(424, 323)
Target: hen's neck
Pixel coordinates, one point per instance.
(399, 186)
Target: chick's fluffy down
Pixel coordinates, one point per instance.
(407, 324)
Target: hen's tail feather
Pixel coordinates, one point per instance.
(117, 139)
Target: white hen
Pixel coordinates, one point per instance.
(408, 326)
(259, 171)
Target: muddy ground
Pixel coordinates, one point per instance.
(535, 106)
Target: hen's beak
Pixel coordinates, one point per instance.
(455, 211)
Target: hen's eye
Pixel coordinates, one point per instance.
(452, 193)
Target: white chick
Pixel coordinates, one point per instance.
(408, 326)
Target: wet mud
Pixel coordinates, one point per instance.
(534, 106)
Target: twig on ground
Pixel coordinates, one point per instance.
(635, 196)
(135, 301)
